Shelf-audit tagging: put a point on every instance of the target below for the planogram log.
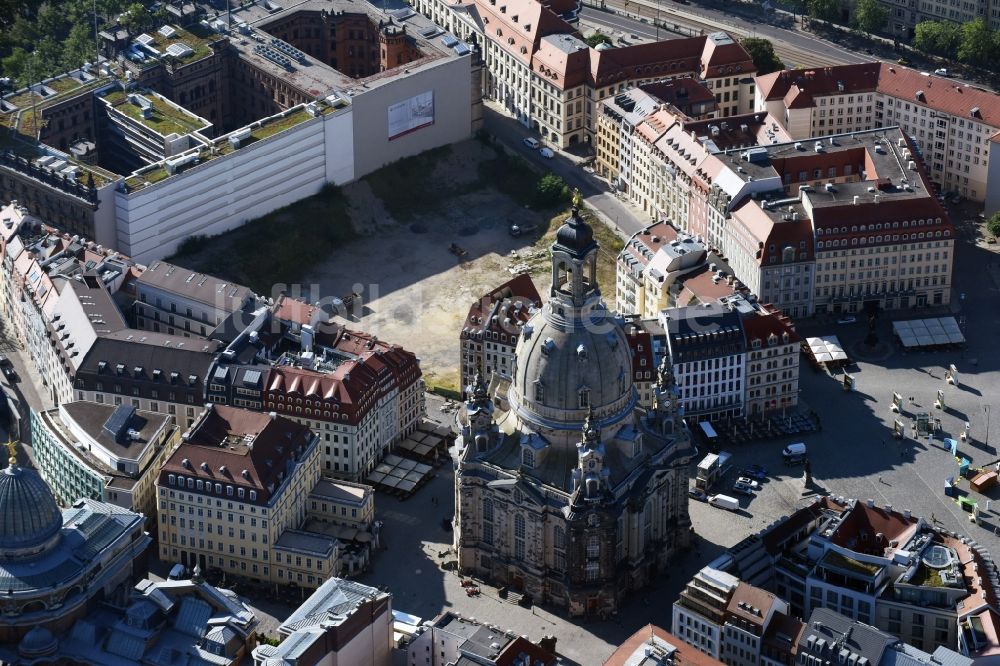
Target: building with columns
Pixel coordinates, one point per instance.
(566, 489)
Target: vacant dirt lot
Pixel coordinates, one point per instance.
(415, 292)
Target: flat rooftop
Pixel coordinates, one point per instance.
(92, 416)
(164, 117)
(317, 78)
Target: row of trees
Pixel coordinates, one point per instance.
(39, 39)
(972, 43)
(869, 15)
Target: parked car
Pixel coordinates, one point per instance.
(4, 361)
(698, 494)
(847, 319)
(177, 572)
(547, 153)
(9, 373)
(754, 472)
(941, 71)
(747, 481)
(742, 488)
(531, 142)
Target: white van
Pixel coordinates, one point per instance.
(177, 572)
(724, 502)
(794, 450)
(531, 142)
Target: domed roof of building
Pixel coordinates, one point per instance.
(575, 234)
(29, 515)
(565, 368)
(37, 642)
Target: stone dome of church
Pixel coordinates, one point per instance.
(29, 516)
(562, 369)
(572, 355)
(38, 642)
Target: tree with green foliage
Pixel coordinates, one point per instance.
(978, 44)
(598, 38)
(762, 53)
(939, 38)
(870, 15)
(827, 10)
(993, 225)
(551, 190)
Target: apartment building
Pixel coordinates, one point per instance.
(540, 71)
(708, 352)
(111, 454)
(877, 565)
(343, 503)
(176, 300)
(733, 357)
(40, 286)
(653, 646)
(342, 622)
(831, 636)
(452, 639)
(952, 126)
(493, 326)
(151, 371)
(234, 493)
(904, 15)
(358, 393)
(660, 267)
(772, 366)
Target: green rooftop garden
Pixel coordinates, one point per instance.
(280, 125)
(195, 36)
(164, 119)
(927, 576)
(835, 559)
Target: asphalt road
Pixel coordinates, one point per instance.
(795, 48)
(627, 219)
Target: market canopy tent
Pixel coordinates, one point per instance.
(827, 349)
(935, 332)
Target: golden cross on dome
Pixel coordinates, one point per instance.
(11, 450)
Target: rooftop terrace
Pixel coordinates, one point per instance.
(158, 43)
(164, 118)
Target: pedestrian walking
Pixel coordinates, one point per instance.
(933, 519)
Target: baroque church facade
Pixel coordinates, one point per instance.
(566, 489)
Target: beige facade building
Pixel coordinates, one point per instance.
(540, 71)
(953, 126)
(904, 15)
(106, 453)
(232, 496)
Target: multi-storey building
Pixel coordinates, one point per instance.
(83, 556)
(452, 639)
(112, 454)
(725, 618)
(324, 92)
(235, 491)
(660, 268)
(772, 366)
(953, 126)
(708, 352)
(652, 646)
(176, 300)
(830, 636)
(492, 328)
(189, 620)
(904, 15)
(40, 290)
(342, 622)
(733, 357)
(880, 566)
(540, 71)
(358, 393)
(151, 371)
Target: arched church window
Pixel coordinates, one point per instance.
(528, 457)
(584, 398)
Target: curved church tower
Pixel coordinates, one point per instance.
(566, 489)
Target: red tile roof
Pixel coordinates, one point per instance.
(521, 290)
(291, 310)
(686, 655)
(762, 326)
(251, 446)
(859, 529)
(515, 652)
(939, 93)
(750, 604)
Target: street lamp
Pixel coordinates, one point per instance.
(986, 414)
